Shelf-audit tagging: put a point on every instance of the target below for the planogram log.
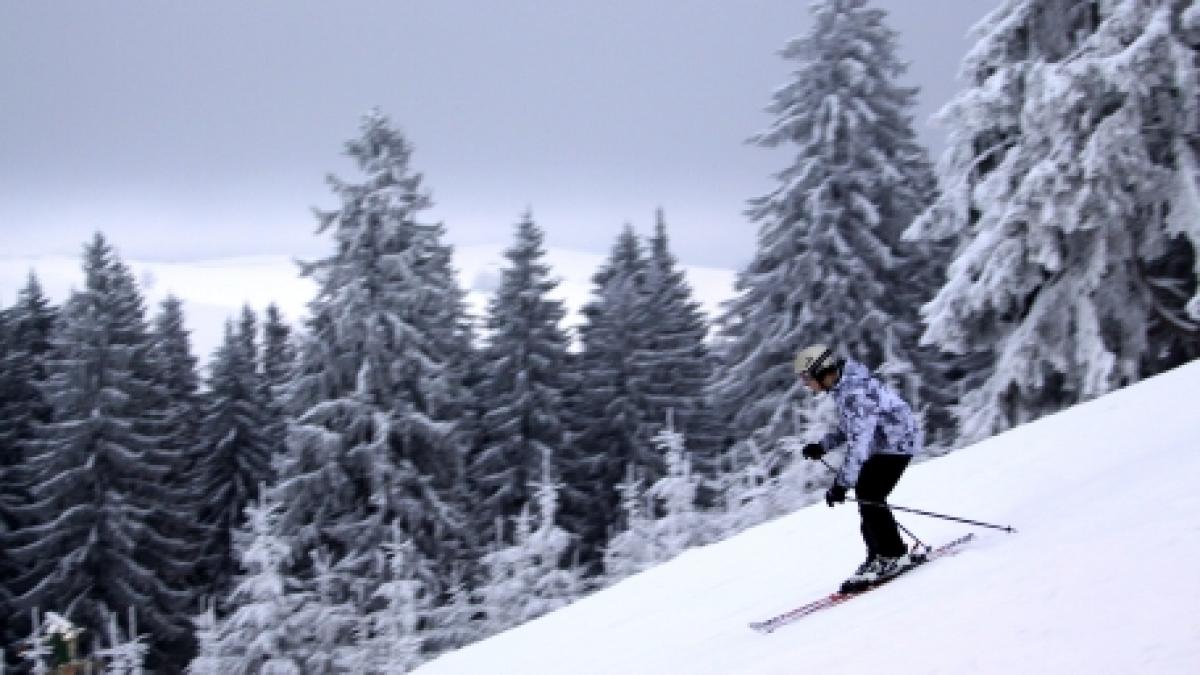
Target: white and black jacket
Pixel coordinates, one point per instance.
(872, 420)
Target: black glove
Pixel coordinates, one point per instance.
(836, 494)
(813, 451)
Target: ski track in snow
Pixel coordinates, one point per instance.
(1099, 578)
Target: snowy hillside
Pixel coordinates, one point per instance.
(1100, 578)
(214, 290)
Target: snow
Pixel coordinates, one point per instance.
(1097, 580)
(215, 290)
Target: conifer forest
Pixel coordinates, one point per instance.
(391, 476)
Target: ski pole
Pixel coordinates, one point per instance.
(919, 543)
(1006, 528)
(900, 525)
(943, 516)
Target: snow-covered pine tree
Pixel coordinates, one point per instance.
(678, 524)
(176, 376)
(126, 650)
(759, 484)
(829, 258)
(665, 519)
(208, 659)
(1070, 173)
(557, 580)
(279, 354)
(373, 434)
(98, 535)
(329, 617)
(531, 576)
(607, 422)
(278, 359)
(631, 548)
(522, 383)
(454, 620)
(391, 638)
(261, 634)
(674, 364)
(233, 452)
(25, 330)
(177, 418)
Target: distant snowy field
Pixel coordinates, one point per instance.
(216, 290)
(1100, 578)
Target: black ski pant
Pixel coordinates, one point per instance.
(876, 480)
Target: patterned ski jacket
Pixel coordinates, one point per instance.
(872, 420)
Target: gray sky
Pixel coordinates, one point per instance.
(200, 129)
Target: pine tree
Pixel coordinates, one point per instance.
(233, 448)
(747, 488)
(25, 330)
(632, 548)
(664, 521)
(175, 373)
(529, 577)
(278, 360)
(1070, 176)
(454, 619)
(261, 633)
(608, 398)
(208, 660)
(679, 524)
(392, 639)
(176, 418)
(99, 538)
(674, 365)
(377, 392)
(521, 391)
(329, 616)
(126, 651)
(830, 254)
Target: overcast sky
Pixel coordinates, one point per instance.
(200, 129)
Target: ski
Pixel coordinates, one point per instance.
(838, 597)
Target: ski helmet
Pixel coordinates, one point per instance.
(812, 361)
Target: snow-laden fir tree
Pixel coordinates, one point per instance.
(233, 452)
(1070, 173)
(454, 620)
(522, 382)
(279, 354)
(391, 636)
(758, 484)
(678, 524)
(329, 616)
(830, 265)
(99, 527)
(53, 642)
(662, 521)
(261, 635)
(125, 653)
(631, 548)
(674, 365)
(208, 659)
(25, 330)
(608, 398)
(177, 419)
(746, 487)
(278, 359)
(377, 392)
(533, 575)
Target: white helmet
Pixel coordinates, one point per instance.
(812, 360)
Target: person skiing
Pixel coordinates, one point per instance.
(882, 436)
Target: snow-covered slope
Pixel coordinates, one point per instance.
(1101, 577)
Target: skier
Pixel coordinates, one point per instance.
(882, 436)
